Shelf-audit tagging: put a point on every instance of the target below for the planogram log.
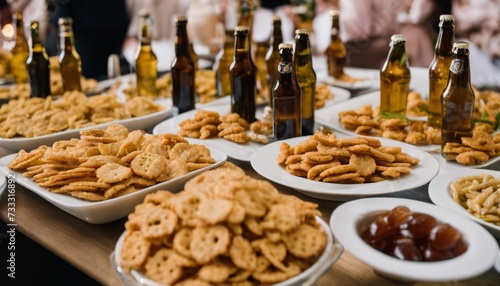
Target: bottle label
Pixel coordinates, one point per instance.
(457, 66)
(285, 67)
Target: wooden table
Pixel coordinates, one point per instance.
(88, 247)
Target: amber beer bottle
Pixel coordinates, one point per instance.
(395, 78)
(246, 16)
(145, 59)
(440, 68)
(287, 103)
(306, 78)
(336, 51)
(243, 76)
(457, 98)
(222, 64)
(183, 70)
(20, 52)
(70, 64)
(273, 56)
(38, 65)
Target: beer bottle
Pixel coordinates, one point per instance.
(306, 78)
(273, 56)
(222, 64)
(440, 68)
(395, 78)
(336, 51)
(287, 97)
(20, 52)
(70, 64)
(145, 59)
(38, 65)
(457, 98)
(261, 77)
(243, 73)
(183, 70)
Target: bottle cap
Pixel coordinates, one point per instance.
(398, 39)
(302, 32)
(144, 13)
(181, 20)
(275, 18)
(446, 18)
(65, 21)
(334, 13)
(35, 25)
(461, 48)
(285, 47)
(241, 30)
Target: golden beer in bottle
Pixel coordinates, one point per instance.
(70, 64)
(38, 65)
(287, 121)
(222, 64)
(457, 98)
(145, 59)
(261, 83)
(20, 52)
(440, 68)
(306, 78)
(183, 70)
(273, 55)
(395, 78)
(336, 52)
(243, 76)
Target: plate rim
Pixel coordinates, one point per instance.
(343, 191)
(343, 224)
(439, 193)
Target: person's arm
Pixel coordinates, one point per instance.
(356, 18)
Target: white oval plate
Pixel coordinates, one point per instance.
(328, 117)
(242, 152)
(329, 256)
(440, 194)
(142, 122)
(264, 162)
(479, 257)
(107, 210)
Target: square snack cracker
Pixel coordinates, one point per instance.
(229, 229)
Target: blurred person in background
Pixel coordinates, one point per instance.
(99, 27)
(366, 27)
(478, 22)
(415, 23)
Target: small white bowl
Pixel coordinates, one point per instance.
(440, 194)
(479, 257)
(330, 255)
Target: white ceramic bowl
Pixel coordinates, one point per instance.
(440, 194)
(479, 257)
(330, 255)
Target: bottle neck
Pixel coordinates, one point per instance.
(460, 71)
(242, 47)
(182, 42)
(303, 54)
(19, 31)
(67, 42)
(397, 54)
(145, 34)
(286, 70)
(445, 40)
(277, 37)
(335, 31)
(36, 44)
